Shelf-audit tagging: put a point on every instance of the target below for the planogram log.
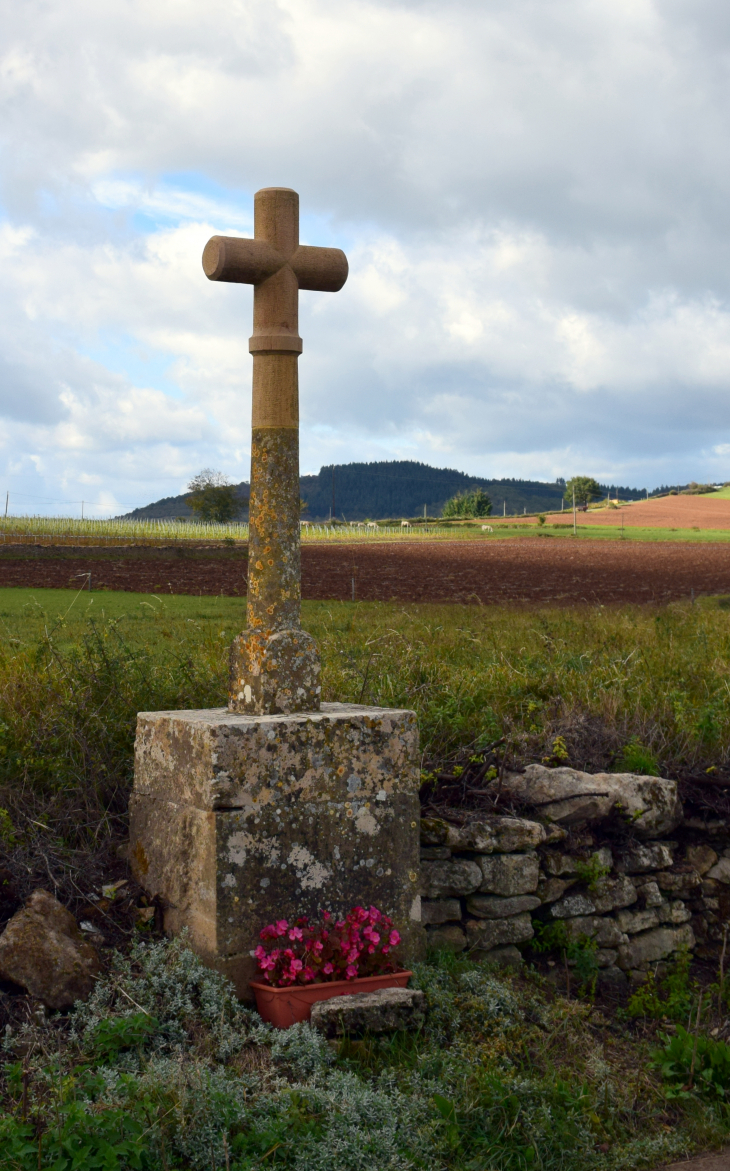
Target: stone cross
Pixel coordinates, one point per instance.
(274, 663)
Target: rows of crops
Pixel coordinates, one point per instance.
(73, 531)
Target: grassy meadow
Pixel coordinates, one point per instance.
(76, 667)
(162, 1070)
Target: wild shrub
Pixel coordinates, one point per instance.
(672, 996)
(691, 1063)
(635, 757)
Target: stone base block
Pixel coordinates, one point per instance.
(238, 820)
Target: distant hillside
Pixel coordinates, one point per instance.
(396, 488)
(171, 507)
(401, 488)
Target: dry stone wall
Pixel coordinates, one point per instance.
(610, 856)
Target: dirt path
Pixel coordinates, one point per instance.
(717, 1162)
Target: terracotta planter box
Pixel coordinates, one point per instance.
(283, 1007)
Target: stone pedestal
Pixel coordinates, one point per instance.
(238, 820)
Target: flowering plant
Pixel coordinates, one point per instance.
(344, 949)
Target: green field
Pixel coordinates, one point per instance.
(75, 669)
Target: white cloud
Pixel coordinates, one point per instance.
(533, 198)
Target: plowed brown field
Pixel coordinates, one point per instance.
(667, 512)
(524, 569)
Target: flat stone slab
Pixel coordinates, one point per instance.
(383, 1011)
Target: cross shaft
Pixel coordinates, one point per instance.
(274, 663)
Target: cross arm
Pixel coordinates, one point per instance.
(251, 262)
(241, 261)
(321, 269)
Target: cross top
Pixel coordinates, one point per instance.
(274, 664)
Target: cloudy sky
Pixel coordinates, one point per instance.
(534, 198)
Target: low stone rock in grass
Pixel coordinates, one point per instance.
(449, 879)
(640, 857)
(680, 883)
(611, 893)
(654, 945)
(499, 835)
(43, 950)
(384, 1011)
(553, 889)
(494, 907)
(571, 797)
(486, 934)
(606, 957)
(632, 922)
(509, 874)
(435, 911)
(701, 858)
(508, 956)
(449, 937)
(720, 872)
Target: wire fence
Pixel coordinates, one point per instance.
(44, 530)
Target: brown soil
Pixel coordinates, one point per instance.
(529, 569)
(667, 512)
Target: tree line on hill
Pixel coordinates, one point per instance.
(377, 491)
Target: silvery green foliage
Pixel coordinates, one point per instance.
(367, 1126)
(300, 1050)
(168, 981)
(208, 1104)
(444, 1017)
(496, 1000)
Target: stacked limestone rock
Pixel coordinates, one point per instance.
(594, 853)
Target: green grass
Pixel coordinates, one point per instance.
(614, 683)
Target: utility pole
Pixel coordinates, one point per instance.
(424, 513)
(575, 531)
(504, 509)
(7, 497)
(332, 513)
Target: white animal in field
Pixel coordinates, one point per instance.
(405, 524)
(487, 529)
(371, 525)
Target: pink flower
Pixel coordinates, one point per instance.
(281, 926)
(296, 933)
(328, 969)
(296, 965)
(308, 973)
(394, 939)
(371, 949)
(375, 915)
(260, 952)
(317, 947)
(351, 971)
(385, 950)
